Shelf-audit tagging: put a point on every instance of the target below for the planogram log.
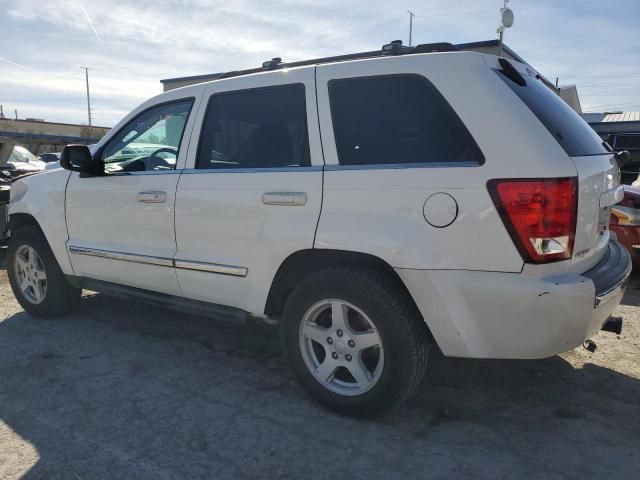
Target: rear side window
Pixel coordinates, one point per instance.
(574, 134)
(397, 119)
(257, 128)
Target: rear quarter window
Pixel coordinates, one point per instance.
(573, 134)
(397, 119)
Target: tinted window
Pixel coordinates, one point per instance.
(258, 128)
(397, 119)
(151, 141)
(574, 134)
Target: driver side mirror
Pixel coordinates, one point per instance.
(78, 158)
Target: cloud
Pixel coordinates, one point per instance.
(132, 45)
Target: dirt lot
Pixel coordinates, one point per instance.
(125, 391)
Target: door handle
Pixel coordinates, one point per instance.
(152, 197)
(287, 199)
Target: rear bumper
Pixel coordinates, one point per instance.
(611, 274)
(511, 315)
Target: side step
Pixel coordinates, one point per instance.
(195, 307)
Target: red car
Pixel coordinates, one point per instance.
(625, 222)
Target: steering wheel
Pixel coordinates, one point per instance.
(156, 162)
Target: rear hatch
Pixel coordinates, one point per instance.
(597, 170)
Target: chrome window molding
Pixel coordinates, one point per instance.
(162, 261)
(312, 168)
(172, 171)
(395, 166)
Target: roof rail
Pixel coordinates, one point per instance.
(393, 48)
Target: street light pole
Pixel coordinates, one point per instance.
(86, 76)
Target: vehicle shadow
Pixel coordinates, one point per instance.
(123, 390)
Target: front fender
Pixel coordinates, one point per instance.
(42, 197)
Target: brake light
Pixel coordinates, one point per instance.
(540, 215)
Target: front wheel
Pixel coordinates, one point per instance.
(35, 276)
(354, 340)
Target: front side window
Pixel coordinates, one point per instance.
(397, 119)
(151, 141)
(257, 128)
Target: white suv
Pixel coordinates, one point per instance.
(369, 203)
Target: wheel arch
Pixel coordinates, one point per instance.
(302, 263)
(20, 220)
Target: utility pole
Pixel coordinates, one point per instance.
(86, 76)
(411, 15)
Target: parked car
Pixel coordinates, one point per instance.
(370, 204)
(625, 222)
(15, 160)
(23, 161)
(49, 157)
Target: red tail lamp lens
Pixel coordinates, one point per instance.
(540, 215)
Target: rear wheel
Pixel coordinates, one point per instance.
(354, 340)
(35, 276)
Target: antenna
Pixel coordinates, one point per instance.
(506, 21)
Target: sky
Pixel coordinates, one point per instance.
(130, 45)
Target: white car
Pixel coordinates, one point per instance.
(370, 204)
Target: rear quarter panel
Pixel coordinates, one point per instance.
(380, 210)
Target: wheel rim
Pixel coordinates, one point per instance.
(341, 347)
(31, 275)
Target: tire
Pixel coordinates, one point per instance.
(49, 293)
(364, 296)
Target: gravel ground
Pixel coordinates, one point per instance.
(122, 391)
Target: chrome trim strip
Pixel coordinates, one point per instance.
(126, 257)
(162, 262)
(212, 268)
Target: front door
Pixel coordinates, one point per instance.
(120, 224)
(254, 193)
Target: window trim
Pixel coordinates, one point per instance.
(100, 151)
(196, 166)
(383, 166)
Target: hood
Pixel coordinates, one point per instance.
(6, 147)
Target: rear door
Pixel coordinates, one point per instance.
(252, 194)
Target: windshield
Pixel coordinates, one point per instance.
(575, 135)
(21, 154)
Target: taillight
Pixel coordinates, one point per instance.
(540, 215)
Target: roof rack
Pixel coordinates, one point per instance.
(393, 48)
